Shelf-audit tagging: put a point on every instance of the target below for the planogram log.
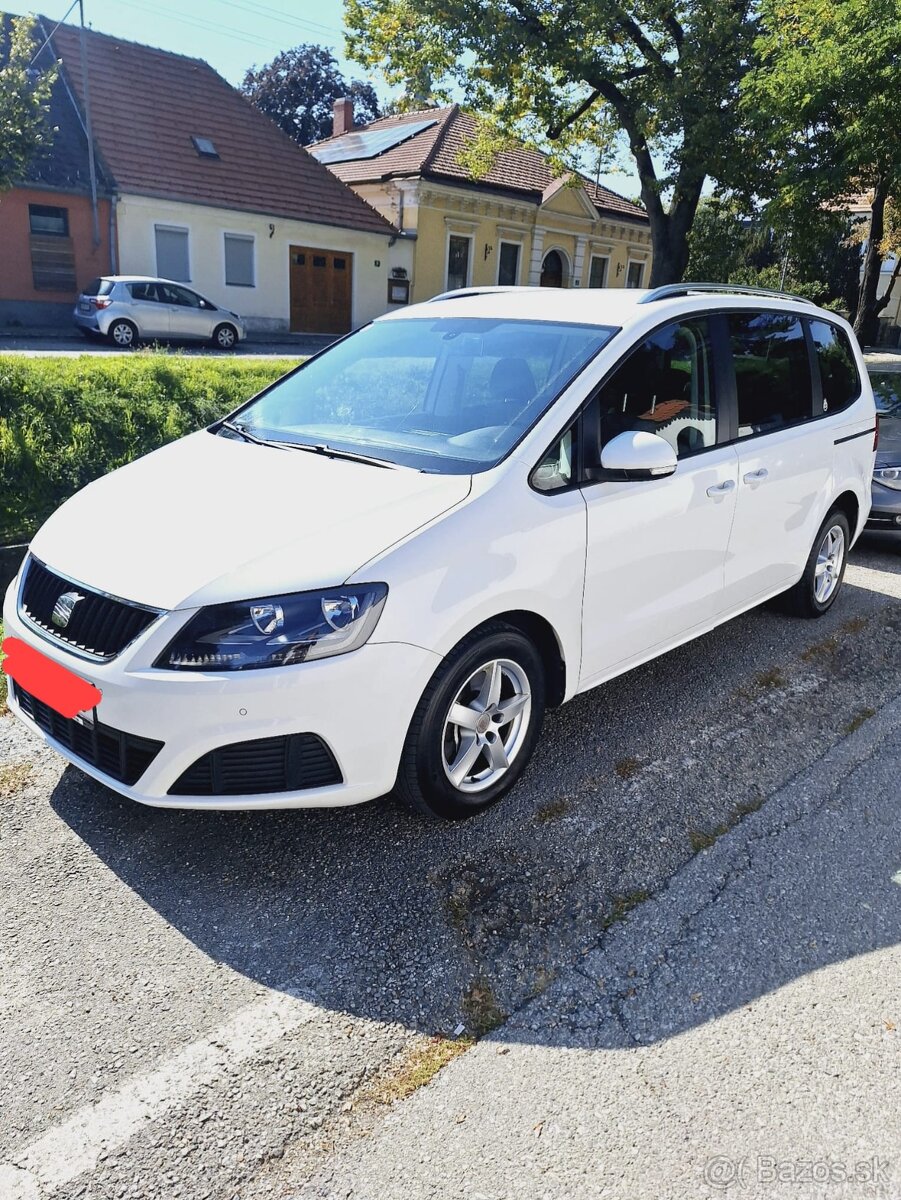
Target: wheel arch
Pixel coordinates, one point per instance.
(848, 503)
(543, 636)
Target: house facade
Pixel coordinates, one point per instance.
(52, 235)
(201, 187)
(516, 225)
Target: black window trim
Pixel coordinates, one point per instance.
(726, 414)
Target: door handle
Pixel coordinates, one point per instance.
(755, 476)
(720, 489)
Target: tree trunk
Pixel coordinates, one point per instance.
(669, 234)
(866, 318)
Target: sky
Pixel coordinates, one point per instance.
(232, 35)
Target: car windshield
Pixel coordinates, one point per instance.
(446, 394)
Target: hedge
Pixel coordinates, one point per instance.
(66, 421)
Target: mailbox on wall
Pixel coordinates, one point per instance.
(398, 291)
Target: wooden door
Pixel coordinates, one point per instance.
(320, 290)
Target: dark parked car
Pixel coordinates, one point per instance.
(886, 510)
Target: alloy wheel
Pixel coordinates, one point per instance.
(487, 725)
(830, 559)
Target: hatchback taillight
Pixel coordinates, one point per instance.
(101, 301)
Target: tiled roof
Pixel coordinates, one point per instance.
(145, 106)
(435, 153)
(62, 161)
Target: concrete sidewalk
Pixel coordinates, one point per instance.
(739, 1034)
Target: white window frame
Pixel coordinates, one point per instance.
(168, 228)
(519, 258)
(636, 262)
(241, 237)
(604, 258)
(467, 236)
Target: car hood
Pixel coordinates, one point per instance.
(208, 519)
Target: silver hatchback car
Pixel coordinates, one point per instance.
(128, 308)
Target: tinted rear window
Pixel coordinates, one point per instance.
(772, 371)
(98, 287)
(838, 370)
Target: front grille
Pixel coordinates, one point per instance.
(122, 756)
(99, 625)
(291, 763)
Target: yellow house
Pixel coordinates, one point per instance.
(517, 224)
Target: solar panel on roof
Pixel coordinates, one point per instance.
(368, 143)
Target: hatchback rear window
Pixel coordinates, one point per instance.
(98, 287)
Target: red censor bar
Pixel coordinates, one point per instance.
(47, 681)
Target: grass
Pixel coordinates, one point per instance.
(553, 810)
(859, 719)
(14, 777)
(418, 1068)
(481, 1011)
(703, 839)
(820, 650)
(66, 421)
(628, 768)
(623, 905)
(770, 680)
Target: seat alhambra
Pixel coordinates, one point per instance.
(378, 573)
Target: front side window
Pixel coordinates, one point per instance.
(172, 260)
(457, 262)
(665, 386)
(183, 297)
(772, 371)
(450, 395)
(838, 371)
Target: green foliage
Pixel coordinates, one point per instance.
(24, 99)
(662, 76)
(300, 86)
(66, 421)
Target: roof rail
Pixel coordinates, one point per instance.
(462, 293)
(670, 290)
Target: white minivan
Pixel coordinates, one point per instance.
(379, 572)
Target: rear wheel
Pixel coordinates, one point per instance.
(225, 337)
(122, 334)
(818, 588)
(476, 725)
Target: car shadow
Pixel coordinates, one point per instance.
(380, 913)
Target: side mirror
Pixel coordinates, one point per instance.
(635, 455)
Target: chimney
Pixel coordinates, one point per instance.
(343, 116)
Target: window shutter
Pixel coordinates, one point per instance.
(239, 260)
(172, 253)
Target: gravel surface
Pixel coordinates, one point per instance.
(199, 998)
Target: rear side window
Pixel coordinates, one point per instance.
(98, 287)
(838, 370)
(143, 291)
(772, 371)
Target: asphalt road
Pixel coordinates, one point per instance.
(192, 1003)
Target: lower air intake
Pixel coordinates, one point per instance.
(292, 763)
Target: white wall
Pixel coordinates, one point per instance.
(266, 306)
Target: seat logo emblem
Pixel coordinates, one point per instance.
(63, 609)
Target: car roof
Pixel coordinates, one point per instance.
(143, 279)
(616, 307)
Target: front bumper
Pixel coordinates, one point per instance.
(360, 704)
(886, 509)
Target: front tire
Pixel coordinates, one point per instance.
(475, 727)
(122, 334)
(818, 588)
(225, 337)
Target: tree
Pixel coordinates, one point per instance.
(826, 109)
(24, 99)
(812, 251)
(664, 73)
(298, 89)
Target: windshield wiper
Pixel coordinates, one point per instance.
(351, 455)
(248, 436)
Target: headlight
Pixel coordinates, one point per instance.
(276, 630)
(888, 477)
